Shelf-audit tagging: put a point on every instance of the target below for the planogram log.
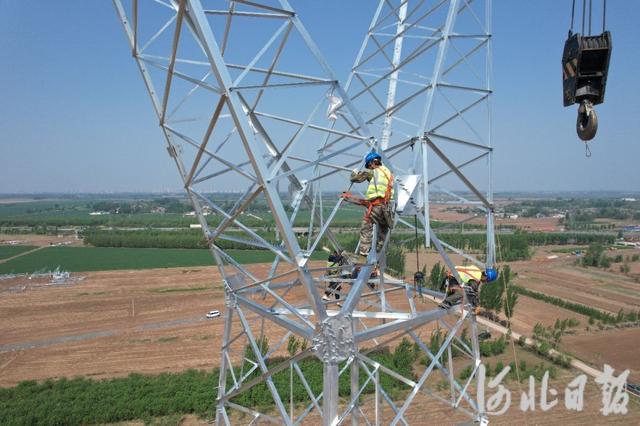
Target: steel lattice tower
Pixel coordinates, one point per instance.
(241, 93)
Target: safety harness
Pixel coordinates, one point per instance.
(370, 204)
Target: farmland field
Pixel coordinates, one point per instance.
(10, 251)
(107, 258)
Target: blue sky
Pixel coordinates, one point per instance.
(75, 117)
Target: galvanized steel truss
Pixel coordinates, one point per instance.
(240, 91)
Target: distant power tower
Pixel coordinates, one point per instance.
(247, 103)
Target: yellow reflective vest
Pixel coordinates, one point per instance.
(381, 181)
(468, 273)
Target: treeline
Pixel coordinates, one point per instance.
(592, 313)
(191, 239)
(85, 401)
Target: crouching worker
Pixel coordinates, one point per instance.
(473, 278)
(334, 263)
(378, 201)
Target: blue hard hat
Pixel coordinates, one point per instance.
(372, 156)
(492, 274)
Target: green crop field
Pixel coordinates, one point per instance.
(77, 259)
(9, 251)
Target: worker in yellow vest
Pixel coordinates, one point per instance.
(378, 201)
(472, 277)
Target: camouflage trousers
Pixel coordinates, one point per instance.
(382, 217)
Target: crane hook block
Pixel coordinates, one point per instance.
(585, 65)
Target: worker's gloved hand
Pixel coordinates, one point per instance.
(344, 195)
(354, 173)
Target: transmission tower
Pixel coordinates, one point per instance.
(247, 103)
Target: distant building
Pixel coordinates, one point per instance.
(98, 213)
(159, 209)
(631, 200)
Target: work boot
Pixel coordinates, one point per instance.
(326, 298)
(445, 305)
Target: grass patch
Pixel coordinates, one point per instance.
(138, 340)
(178, 289)
(10, 251)
(568, 249)
(167, 339)
(96, 293)
(82, 259)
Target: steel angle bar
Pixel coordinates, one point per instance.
(266, 280)
(315, 162)
(459, 113)
(395, 150)
(280, 73)
(407, 28)
(479, 37)
(418, 320)
(256, 414)
(220, 173)
(464, 88)
(181, 75)
(478, 263)
(264, 243)
(475, 16)
(323, 164)
(458, 173)
(307, 388)
(233, 262)
(159, 58)
(205, 139)
(376, 375)
(464, 57)
(313, 48)
(311, 126)
(187, 96)
(172, 60)
(460, 141)
(247, 198)
(156, 35)
(225, 362)
(266, 375)
(285, 26)
(246, 14)
(426, 373)
(193, 143)
(406, 36)
(287, 12)
(464, 346)
(134, 11)
(274, 391)
(419, 51)
(355, 397)
(310, 406)
(292, 142)
(282, 85)
(358, 74)
(299, 329)
(447, 373)
(460, 199)
(400, 80)
(272, 66)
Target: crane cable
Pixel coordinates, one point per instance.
(584, 9)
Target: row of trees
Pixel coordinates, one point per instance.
(593, 313)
